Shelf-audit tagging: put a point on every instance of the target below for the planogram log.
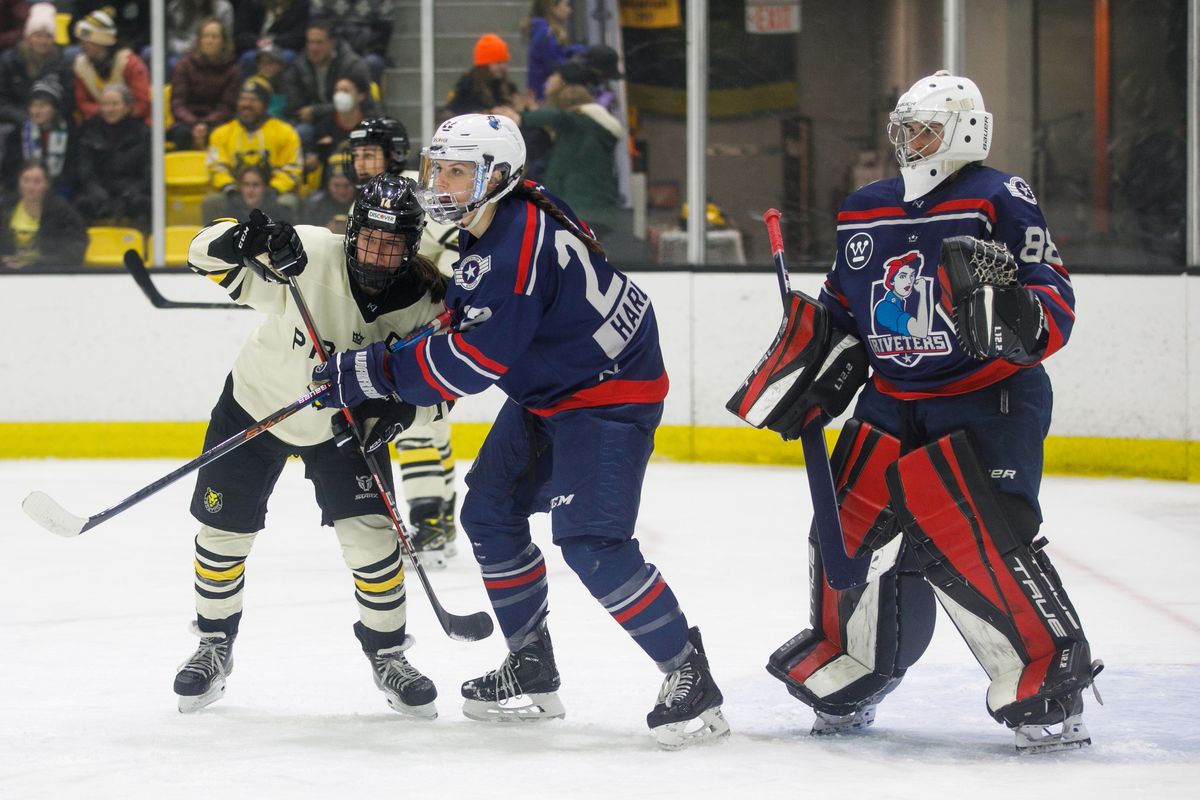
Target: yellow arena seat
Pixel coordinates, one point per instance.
(178, 238)
(62, 29)
(186, 172)
(107, 245)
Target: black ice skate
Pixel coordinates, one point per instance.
(200, 680)
(1068, 733)
(688, 711)
(525, 687)
(427, 536)
(449, 526)
(835, 724)
(406, 689)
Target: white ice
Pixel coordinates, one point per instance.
(92, 630)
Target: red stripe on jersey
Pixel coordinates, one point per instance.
(524, 267)
(872, 213)
(479, 358)
(1049, 293)
(610, 393)
(640, 605)
(965, 204)
(992, 373)
(836, 295)
(520, 580)
(422, 356)
(821, 655)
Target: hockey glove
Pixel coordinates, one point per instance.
(835, 381)
(278, 240)
(288, 258)
(1007, 323)
(356, 375)
(383, 421)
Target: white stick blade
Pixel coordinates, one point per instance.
(45, 511)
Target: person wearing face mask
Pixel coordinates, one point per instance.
(352, 104)
(114, 163)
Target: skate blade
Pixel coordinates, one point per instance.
(522, 708)
(424, 711)
(1032, 741)
(851, 724)
(191, 703)
(708, 728)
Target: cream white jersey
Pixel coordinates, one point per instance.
(275, 365)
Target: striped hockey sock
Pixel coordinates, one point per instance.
(647, 609)
(517, 589)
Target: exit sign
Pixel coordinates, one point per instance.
(773, 16)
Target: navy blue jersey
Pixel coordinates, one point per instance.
(553, 325)
(883, 286)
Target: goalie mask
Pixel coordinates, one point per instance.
(458, 165)
(938, 127)
(383, 232)
(390, 136)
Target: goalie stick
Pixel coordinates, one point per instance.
(47, 512)
(842, 571)
(137, 268)
(468, 628)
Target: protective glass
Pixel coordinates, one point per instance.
(448, 190)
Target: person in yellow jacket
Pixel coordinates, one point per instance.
(254, 137)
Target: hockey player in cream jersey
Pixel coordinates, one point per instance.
(368, 286)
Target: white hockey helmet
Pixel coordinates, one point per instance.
(493, 143)
(951, 108)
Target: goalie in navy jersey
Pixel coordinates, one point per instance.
(573, 342)
(949, 278)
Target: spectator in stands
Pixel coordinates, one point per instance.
(270, 65)
(45, 136)
(364, 25)
(605, 64)
(580, 165)
(102, 63)
(275, 23)
(39, 228)
(185, 19)
(549, 42)
(252, 137)
(253, 191)
(12, 22)
(328, 208)
(486, 85)
(352, 104)
(310, 79)
(114, 163)
(30, 60)
(132, 18)
(204, 87)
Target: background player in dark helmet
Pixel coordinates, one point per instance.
(369, 285)
(427, 472)
(574, 438)
(942, 460)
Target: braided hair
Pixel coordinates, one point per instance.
(531, 191)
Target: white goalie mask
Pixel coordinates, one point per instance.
(483, 144)
(942, 115)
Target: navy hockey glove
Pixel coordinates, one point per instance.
(382, 421)
(356, 375)
(1003, 322)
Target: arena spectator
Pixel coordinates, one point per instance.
(32, 59)
(185, 18)
(270, 65)
(12, 22)
(310, 79)
(39, 228)
(45, 136)
(262, 23)
(549, 42)
(132, 18)
(252, 137)
(364, 25)
(204, 87)
(102, 63)
(486, 85)
(352, 104)
(114, 163)
(253, 191)
(329, 206)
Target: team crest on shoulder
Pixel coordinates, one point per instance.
(1017, 187)
(859, 249)
(213, 501)
(469, 271)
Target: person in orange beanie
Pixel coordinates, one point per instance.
(486, 85)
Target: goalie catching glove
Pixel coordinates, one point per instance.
(382, 421)
(278, 240)
(994, 317)
(810, 365)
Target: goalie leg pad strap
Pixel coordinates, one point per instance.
(1002, 594)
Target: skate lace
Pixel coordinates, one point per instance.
(209, 658)
(677, 685)
(505, 678)
(395, 670)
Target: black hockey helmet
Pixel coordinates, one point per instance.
(383, 232)
(386, 132)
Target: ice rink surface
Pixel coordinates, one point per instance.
(92, 630)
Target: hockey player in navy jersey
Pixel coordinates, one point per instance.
(573, 342)
(941, 463)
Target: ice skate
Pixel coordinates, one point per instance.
(834, 724)
(1069, 734)
(428, 537)
(688, 711)
(200, 680)
(449, 526)
(525, 687)
(406, 689)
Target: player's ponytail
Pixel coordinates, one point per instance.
(527, 190)
(426, 276)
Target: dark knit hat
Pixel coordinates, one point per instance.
(259, 87)
(48, 89)
(604, 60)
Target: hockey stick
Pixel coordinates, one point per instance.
(469, 628)
(137, 268)
(47, 512)
(842, 571)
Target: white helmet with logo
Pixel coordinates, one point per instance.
(492, 143)
(950, 107)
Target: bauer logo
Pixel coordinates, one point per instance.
(859, 250)
(213, 501)
(381, 216)
(1017, 187)
(470, 271)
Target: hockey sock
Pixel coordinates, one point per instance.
(371, 551)
(517, 589)
(220, 566)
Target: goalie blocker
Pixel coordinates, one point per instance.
(810, 364)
